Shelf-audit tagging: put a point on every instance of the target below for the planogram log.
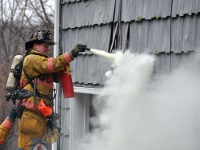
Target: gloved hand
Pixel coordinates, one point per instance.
(78, 48)
(13, 114)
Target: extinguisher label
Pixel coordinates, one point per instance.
(68, 70)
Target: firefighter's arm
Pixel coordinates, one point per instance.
(54, 64)
(36, 65)
(64, 59)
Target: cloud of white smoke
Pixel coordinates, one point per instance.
(138, 115)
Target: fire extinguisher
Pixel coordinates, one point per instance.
(66, 82)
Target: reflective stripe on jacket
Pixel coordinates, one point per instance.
(7, 123)
(45, 83)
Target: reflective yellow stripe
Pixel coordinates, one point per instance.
(29, 105)
(67, 57)
(50, 65)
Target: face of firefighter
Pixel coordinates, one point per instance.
(43, 48)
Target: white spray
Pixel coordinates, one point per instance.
(163, 116)
(103, 53)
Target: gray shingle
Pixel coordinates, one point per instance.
(97, 37)
(64, 142)
(184, 34)
(144, 9)
(150, 36)
(183, 7)
(65, 113)
(87, 13)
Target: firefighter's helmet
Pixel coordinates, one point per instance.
(38, 37)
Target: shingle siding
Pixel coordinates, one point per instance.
(141, 26)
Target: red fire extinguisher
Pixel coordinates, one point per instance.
(66, 81)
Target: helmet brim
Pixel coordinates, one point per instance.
(29, 44)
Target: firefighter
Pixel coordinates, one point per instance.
(38, 74)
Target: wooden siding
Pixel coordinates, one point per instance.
(141, 26)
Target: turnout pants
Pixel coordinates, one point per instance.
(31, 129)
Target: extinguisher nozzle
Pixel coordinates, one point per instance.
(88, 49)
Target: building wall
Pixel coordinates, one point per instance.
(170, 29)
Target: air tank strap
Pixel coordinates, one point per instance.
(35, 88)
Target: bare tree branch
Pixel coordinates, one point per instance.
(18, 20)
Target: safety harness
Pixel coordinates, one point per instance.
(22, 94)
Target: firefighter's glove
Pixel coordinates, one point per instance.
(78, 48)
(49, 124)
(13, 114)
